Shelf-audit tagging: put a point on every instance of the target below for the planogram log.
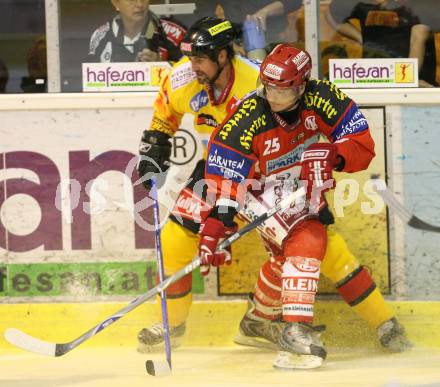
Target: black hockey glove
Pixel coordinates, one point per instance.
(154, 160)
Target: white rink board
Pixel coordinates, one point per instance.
(56, 136)
(82, 122)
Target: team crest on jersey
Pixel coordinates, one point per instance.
(199, 100)
(310, 123)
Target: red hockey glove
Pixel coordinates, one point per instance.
(212, 232)
(318, 162)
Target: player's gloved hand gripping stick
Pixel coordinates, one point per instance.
(32, 344)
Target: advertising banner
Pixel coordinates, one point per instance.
(374, 72)
(73, 221)
(72, 218)
(130, 76)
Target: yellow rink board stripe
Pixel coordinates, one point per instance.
(210, 323)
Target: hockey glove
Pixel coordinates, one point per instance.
(317, 164)
(212, 232)
(154, 160)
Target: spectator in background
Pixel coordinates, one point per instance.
(272, 17)
(430, 71)
(36, 82)
(136, 34)
(255, 26)
(385, 28)
(4, 76)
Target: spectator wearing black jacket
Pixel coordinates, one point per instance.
(136, 34)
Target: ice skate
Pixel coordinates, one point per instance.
(392, 336)
(152, 338)
(301, 347)
(258, 332)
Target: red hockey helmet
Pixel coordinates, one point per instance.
(286, 66)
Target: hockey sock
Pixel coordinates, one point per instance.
(300, 284)
(360, 292)
(353, 282)
(179, 299)
(304, 250)
(268, 293)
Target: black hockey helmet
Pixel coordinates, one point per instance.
(208, 36)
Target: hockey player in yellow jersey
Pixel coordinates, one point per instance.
(207, 83)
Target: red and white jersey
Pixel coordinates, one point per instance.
(255, 143)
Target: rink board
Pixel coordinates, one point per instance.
(209, 323)
(95, 225)
(91, 138)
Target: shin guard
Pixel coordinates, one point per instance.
(359, 291)
(267, 296)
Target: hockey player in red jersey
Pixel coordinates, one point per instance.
(272, 137)
(208, 83)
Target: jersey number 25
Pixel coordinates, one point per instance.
(271, 146)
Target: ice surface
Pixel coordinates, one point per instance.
(217, 367)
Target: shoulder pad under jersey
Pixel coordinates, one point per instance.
(248, 62)
(326, 100)
(249, 118)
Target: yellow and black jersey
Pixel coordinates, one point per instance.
(181, 93)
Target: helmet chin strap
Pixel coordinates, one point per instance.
(217, 74)
(218, 95)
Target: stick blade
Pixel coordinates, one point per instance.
(158, 368)
(29, 343)
(419, 224)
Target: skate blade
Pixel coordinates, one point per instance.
(293, 361)
(160, 347)
(398, 346)
(256, 342)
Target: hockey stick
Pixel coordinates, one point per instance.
(159, 367)
(29, 343)
(409, 218)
